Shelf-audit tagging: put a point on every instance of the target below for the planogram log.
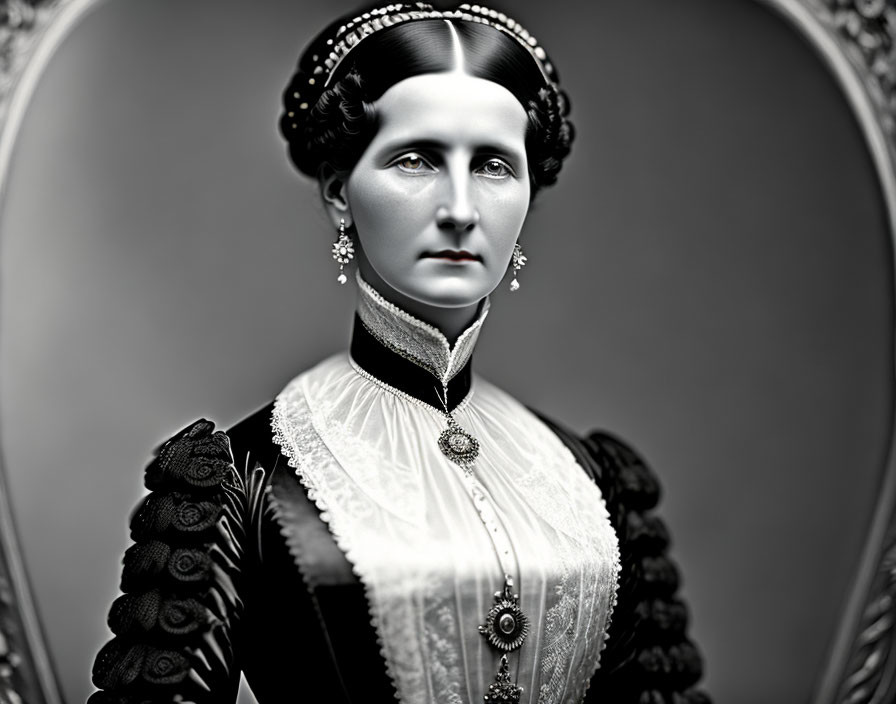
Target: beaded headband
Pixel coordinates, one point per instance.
(333, 52)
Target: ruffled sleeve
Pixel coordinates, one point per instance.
(649, 658)
(176, 624)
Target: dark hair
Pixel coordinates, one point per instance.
(342, 121)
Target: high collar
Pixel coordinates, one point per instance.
(409, 354)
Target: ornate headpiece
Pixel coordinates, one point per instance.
(328, 53)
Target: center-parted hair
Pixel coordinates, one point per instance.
(336, 129)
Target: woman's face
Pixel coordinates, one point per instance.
(440, 194)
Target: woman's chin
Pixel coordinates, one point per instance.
(450, 291)
(433, 284)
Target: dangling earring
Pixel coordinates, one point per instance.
(343, 251)
(517, 261)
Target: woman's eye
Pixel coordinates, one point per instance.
(495, 168)
(413, 163)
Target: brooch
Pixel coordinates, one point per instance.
(506, 626)
(458, 445)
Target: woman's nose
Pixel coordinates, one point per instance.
(458, 210)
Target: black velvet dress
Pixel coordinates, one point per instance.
(211, 586)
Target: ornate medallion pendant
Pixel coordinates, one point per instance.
(502, 689)
(506, 626)
(458, 445)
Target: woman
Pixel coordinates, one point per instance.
(392, 526)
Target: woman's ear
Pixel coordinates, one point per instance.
(333, 191)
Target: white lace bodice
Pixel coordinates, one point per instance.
(417, 530)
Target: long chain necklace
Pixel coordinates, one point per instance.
(506, 626)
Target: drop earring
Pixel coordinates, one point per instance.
(343, 251)
(517, 261)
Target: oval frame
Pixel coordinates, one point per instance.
(856, 39)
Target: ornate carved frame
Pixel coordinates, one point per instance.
(857, 41)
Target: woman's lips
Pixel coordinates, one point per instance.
(454, 255)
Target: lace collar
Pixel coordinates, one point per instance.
(414, 340)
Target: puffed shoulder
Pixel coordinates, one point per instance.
(174, 623)
(649, 658)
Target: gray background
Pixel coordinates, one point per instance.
(710, 280)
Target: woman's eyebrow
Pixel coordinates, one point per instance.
(410, 143)
(499, 149)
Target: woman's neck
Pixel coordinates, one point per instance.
(451, 322)
(398, 348)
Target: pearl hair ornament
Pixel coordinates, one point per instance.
(332, 52)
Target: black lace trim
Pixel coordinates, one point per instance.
(180, 602)
(649, 658)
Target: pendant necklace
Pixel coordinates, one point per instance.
(506, 626)
(459, 446)
(456, 443)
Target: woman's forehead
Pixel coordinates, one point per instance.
(451, 106)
